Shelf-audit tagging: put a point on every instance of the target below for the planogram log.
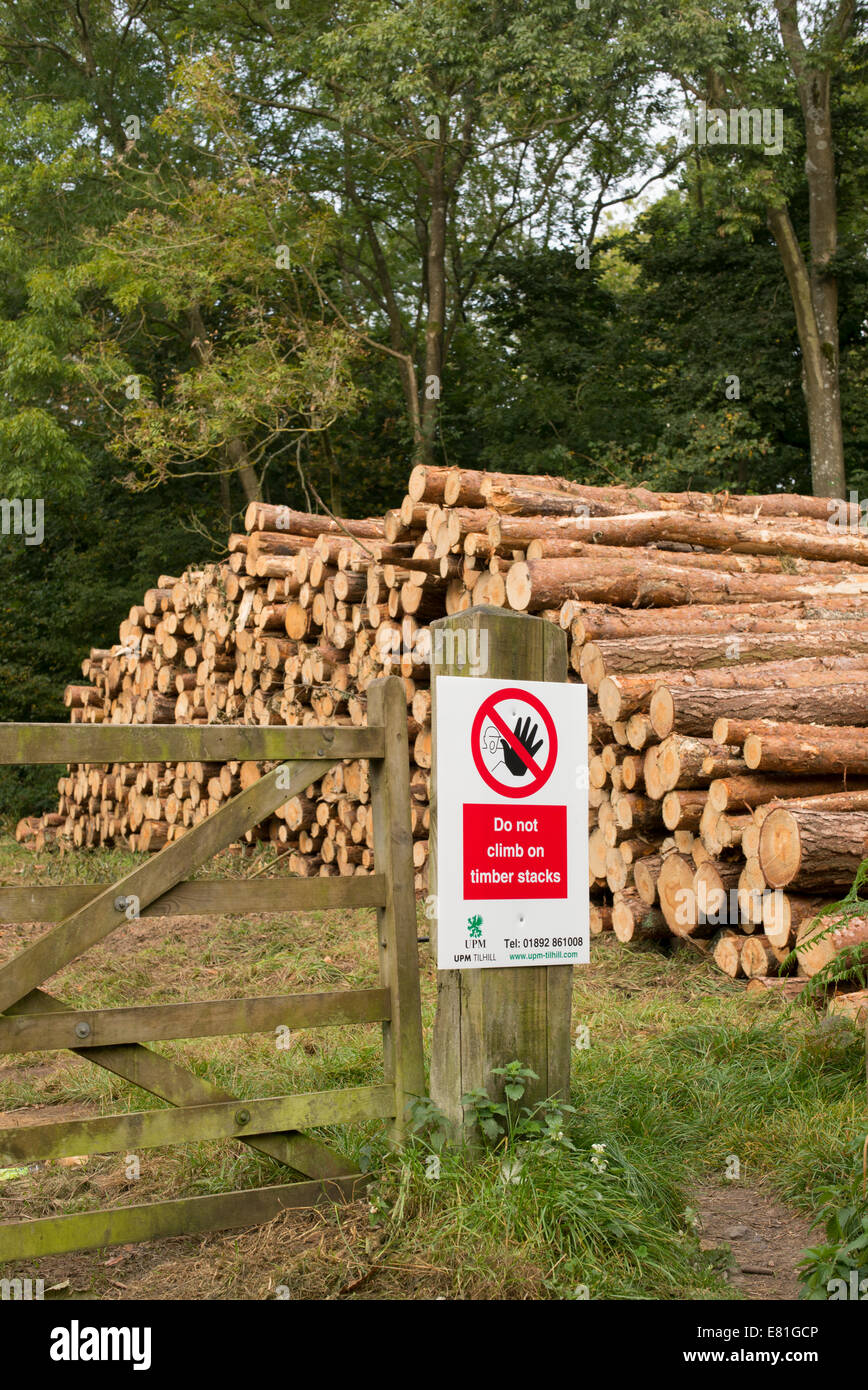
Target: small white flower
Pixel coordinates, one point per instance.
(599, 1148)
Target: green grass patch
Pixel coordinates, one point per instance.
(676, 1072)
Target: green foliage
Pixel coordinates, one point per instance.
(101, 551)
(224, 260)
(595, 374)
(843, 1255)
(848, 964)
(586, 1222)
(149, 338)
(428, 1123)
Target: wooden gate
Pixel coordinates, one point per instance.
(33, 1020)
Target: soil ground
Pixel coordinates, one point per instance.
(766, 1238)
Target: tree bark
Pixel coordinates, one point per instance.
(435, 283)
(701, 711)
(473, 489)
(726, 793)
(695, 708)
(536, 584)
(693, 762)
(809, 540)
(812, 849)
(601, 623)
(814, 290)
(634, 920)
(801, 749)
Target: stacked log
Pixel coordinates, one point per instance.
(723, 640)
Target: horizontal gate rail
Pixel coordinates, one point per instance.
(106, 913)
(198, 897)
(152, 1129)
(168, 1080)
(180, 1216)
(32, 1020)
(211, 1018)
(175, 743)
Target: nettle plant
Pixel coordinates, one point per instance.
(502, 1123)
(837, 1268)
(507, 1122)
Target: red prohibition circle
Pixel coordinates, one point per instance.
(487, 711)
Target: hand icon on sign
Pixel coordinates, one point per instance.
(528, 740)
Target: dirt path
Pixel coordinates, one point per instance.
(766, 1238)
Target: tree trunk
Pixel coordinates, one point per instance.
(504, 491)
(759, 957)
(677, 897)
(536, 584)
(784, 913)
(819, 943)
(815, 290)
(236, 452)
(634, 920)
(802, 749)
(726, 953)
(435, 275)
(813, 849)
(819, 364)
(726, 793)
(600, 623)
(833, 704)
(810, 540)
(693, 762)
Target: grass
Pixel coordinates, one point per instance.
(683, 1072)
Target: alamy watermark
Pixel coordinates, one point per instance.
(77, 1343)
(761, 126)
(725, 909)
(457, 648)
(23, 516)
(851, 516)
(854, 1288)
(22, 1290)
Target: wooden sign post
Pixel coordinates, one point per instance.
(489, 1017)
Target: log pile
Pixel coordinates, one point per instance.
(723, 640)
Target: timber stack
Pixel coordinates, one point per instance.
(723, 641)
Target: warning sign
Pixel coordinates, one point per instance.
(514, 742)
(512, 877)
(506, 853)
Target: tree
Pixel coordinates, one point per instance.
(210, 263)
(739, 57)
(449, 133)
(814, 286)
(670, 360)
(70, 80)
